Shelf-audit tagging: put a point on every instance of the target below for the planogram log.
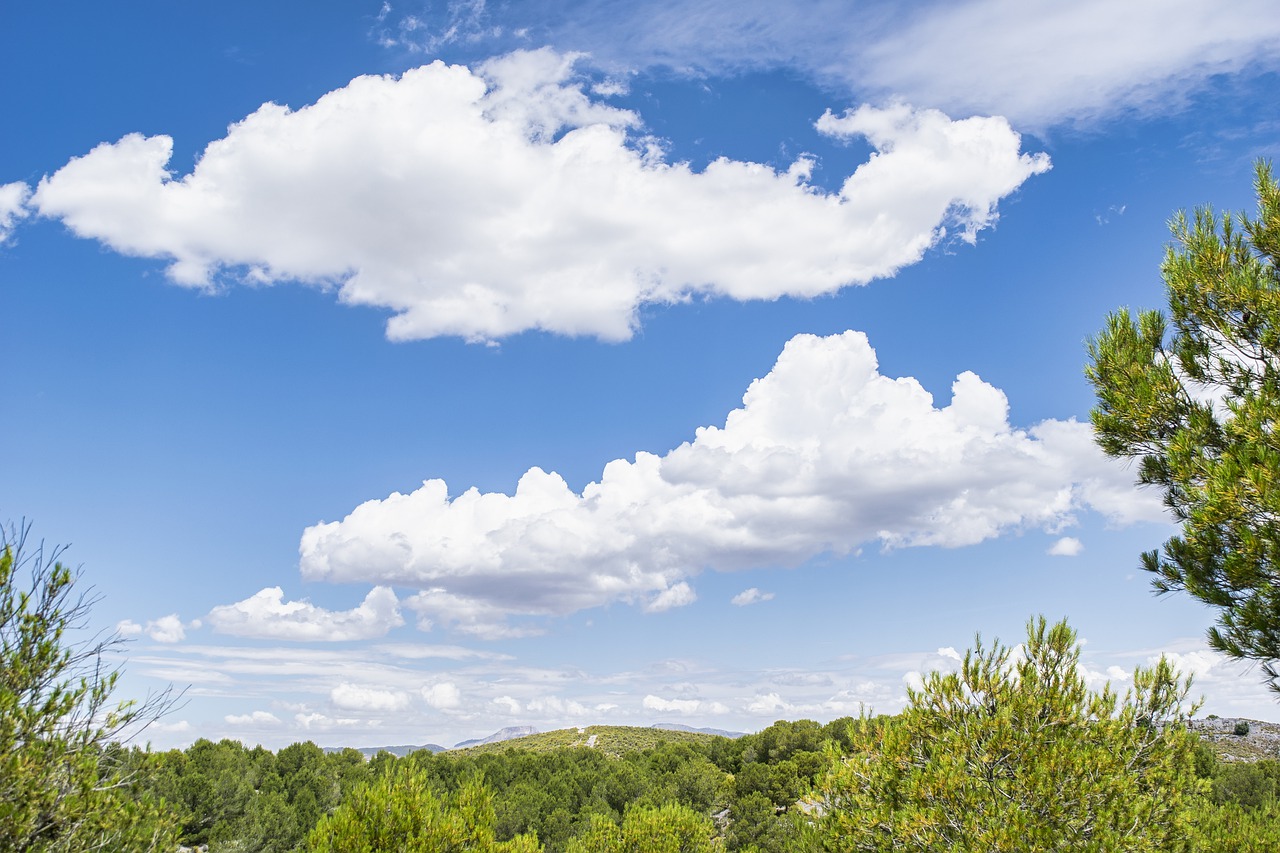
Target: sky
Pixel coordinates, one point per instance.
(398, 372)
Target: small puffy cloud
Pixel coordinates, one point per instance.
(683, 706)
(166, 629)
(508, 705)
(1067, 546)
(323, 722)
(825, 455)
(266, 615)
(677, 595)
(950, 652)
(13, 207)
(443, 696)
(354, 697)
(257, 718)
(485, 202)
(128, 628)
(750, 596)
(555, 705)
(174, 727)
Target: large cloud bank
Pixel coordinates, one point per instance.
(482, 203)
(825, 455)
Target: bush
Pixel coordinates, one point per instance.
(1241, 729)
(62, 786)
(1019, 755)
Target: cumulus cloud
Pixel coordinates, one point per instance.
(166, 629)
(482, 203)
(825, 455)
(444, 696)
(683, 706)
(677, 595)
(128, 627)
(555, 705)
(354, 697)
(750, 596)
(266, 615)
(508, 705)
(257, 718)
(1067, 546)
(13, 207)
(323, 722)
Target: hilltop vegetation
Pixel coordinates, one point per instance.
(614, 741)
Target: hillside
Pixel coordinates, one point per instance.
(611, 740)
(1262, 741)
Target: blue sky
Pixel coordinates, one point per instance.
(398, 372)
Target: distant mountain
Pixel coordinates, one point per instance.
(681, 727)
(398, 751)
(509, 733)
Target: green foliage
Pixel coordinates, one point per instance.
(1232, 828)
(665, 829)
(1195, 396)
(61, 786)
(400, 812)
(611, 740)
(232, 797)
(1241, 729)
(1017, 755)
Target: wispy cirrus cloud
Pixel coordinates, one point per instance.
(1038, 63)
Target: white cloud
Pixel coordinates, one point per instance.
(323, 722)
(1034, 61)
(257, 718)
(484, 203)
(444, 696)
(1067, 546)
(13, 207)
(554, 705)
(266, 615)
(166, 629)
(825, 455)
(682, 706)
(354, 697)
(677, 595)
(750, 596)
(470, 615)
(508, 705)
(128, 628)
(175, 727)
(1043, 62)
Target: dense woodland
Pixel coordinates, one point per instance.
(738, 794)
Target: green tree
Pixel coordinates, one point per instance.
(1195, 396)
(669, 828)
(61, 787)
(400, 811)
(1017, 754)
